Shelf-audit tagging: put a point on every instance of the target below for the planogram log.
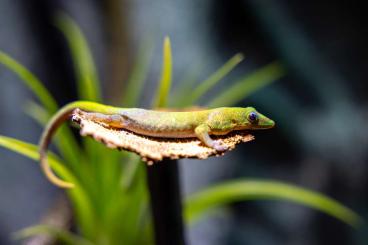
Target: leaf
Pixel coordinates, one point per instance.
(59, 234)
(129, 173)
(87, 79)
(35, 85)
(37, 112)
(214, 79)
(248, 85)
(244, 190)
(132, 205)
(165, 82)
(32, 82)
(185, 86)
(31, 151)
(88, 83)
(78, 194)
(138, 75)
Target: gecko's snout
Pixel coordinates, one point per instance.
(265, 123)
(270, 123)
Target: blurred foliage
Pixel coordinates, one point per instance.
(250, 189)
(110, 200)
(165, 82)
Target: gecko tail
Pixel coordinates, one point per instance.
(61, 116)
(51, 175)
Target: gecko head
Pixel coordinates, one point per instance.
(256, 120)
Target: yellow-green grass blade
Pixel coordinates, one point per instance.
(88, 89)
(60, 235)
(243, 190)
(36, 112)
(130, 204)
(206, 85)
(70, 149)
(31, 151)
(77, 194)
(248, 85)
(88, 83)
(185, 86)
(129, 173)
(32, 82)
(166, 73)
(138, 76)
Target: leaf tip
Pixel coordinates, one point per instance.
(239, 57)
(167, 42)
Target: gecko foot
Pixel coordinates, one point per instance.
(218, 146)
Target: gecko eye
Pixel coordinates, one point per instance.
(253, 117)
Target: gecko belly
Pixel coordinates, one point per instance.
(162, 133)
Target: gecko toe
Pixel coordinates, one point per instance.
(219, 146)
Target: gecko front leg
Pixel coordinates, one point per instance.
(202, 132)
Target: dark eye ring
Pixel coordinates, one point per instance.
(253, 117)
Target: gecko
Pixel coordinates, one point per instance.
(156, 123)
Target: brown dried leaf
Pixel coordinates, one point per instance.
(153, 149)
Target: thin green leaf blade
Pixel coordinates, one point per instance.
(30, 151)
(138, 76)
(88, 83)
(50, 106)
(37, 112)
(244, 190)
(88, 86)
(185, 86)
(78, 195)
(165, 82)
(214, 79)
(248, 85)
(32, 82)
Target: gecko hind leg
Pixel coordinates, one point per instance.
(114, 120)
(202, 132)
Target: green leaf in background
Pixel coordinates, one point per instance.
(31, 151)
(206, 85)
(69, 147)
(137, 77)
(31, 81)
(243, 190)
(165, 82)
(36, 112)
(88, 89)
(248, 85)
(60, 235)
(185, 86)
(88, 83)
(82, 202)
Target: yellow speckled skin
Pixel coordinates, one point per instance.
(199, 124)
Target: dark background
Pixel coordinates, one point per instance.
(320, 106)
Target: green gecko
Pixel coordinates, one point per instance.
(163, 124)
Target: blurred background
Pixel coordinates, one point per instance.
(320, 105)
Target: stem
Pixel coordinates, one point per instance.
(166, 205)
